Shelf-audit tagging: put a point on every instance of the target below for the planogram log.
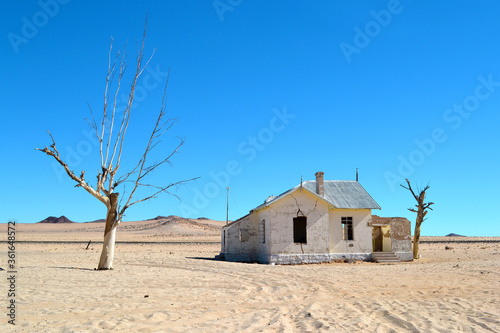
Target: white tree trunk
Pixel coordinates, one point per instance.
(108, 250)
(108, 245)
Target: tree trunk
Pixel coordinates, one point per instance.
(416, 236)
(108, 245)
(108, 251)
(416, 240)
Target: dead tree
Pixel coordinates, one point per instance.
(421, 212)
(110, 134)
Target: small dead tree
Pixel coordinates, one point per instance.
(421, 212)
(110, 134)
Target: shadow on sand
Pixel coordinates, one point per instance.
(204, 258)
(77, 268)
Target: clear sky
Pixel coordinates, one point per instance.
(264, 92)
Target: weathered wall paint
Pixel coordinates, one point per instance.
(362, 242)
(401, 235)
(243, 251)
(280, 215)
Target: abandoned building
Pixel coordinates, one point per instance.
(391, 234)
(317, 221)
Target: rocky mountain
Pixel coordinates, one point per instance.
(53, 219)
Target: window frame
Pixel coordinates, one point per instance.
(262, 232)
(347, 228)
(243, 235)
(300, 230)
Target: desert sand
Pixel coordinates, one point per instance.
(172, 284)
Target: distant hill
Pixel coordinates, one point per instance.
(455, 235)
(173, 225)
(97, 221)
(53, 219)
(159, 217)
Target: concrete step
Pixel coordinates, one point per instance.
(383, 257)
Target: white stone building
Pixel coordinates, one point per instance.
(316, 221)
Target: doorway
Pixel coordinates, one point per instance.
(378, 239)
(381, 238)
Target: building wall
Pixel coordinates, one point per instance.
(279, 217)
(401, 238)
(236, 250)
(362, 243)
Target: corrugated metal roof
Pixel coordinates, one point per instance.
(348, 194)
(345, 194)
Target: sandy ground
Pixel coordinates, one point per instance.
(175, 286)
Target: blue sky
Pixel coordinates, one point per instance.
(264, 93)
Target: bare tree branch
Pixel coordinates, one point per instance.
(112, 122)
(80, 180)
(409, 188)
(93, 123)
(142, 161)
(128, 109)
(160, 190)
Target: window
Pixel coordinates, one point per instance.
(243, 235)
(347, 231)
(262, 231)
(300, 229)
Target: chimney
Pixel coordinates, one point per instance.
(320, 184)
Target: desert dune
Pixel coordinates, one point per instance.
(166, 280)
